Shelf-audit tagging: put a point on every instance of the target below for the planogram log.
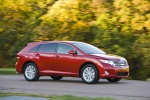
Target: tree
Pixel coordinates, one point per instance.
(120, 27)
(18, 21)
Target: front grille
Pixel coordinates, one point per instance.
(121, 64)
(122, 74)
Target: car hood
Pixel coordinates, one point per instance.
(109, 57)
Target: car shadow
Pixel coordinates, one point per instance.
(72, 80)
(62, 80)
(106, 82)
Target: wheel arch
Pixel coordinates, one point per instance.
(27, 63)
(86, 64)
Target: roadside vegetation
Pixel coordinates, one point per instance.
(65, 97)
(120, 27)
(8, 71)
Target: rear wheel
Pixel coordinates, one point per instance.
(31, 72)
(56, 77)
(113, 79)
(89, 74)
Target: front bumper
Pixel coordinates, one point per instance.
(116, 73)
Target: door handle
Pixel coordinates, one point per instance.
(56, 56)
(37, 54)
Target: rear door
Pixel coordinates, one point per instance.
(46, 56)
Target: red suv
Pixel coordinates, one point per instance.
(58, 59)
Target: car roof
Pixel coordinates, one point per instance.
(55, 42)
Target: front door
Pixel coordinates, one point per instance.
(65, 63)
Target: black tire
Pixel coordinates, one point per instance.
(113, 79)
(89, 74)
(31, 72)
(56, 77)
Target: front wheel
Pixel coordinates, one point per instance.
(31, 72)
(113, 79)
(56, 77)
(89, 74)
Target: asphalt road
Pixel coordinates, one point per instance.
(123, 90)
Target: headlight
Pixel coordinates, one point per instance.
(108, 62)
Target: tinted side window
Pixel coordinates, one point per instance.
(49, 48)
(34, 49)
(64, 48)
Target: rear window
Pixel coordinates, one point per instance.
(34, 49)
(47, 48)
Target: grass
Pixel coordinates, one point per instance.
(69, 97)
(7, 71)
(65, 97)
(6, 94)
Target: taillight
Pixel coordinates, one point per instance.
(18, 56)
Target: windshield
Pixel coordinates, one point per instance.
(89, 49)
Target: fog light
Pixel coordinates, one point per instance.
(106, 73)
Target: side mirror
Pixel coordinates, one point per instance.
(72, 52)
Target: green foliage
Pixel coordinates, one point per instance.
(120, 27)
(69, 97)
(18, 20)
(64, 97)
(141, 55)
(7, 71)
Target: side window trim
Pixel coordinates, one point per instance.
(38, 48)
(56, 47)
